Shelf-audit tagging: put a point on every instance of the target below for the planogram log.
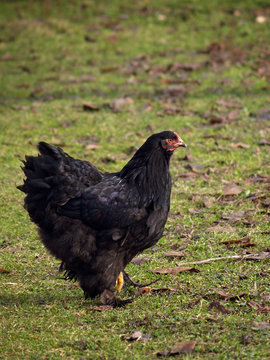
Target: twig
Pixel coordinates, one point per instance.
(233, 257)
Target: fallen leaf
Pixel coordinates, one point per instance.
(138, 336)
(261, 308)
(109, 69)
(266, 204)
(231, 189)
(239, 145)
(89, 38)
(218, 306)
(90, 107)
(245, 242)
(118, 104)
(185, 347)
(4, 271)
(189, 157)
(143, 290)
(139, 260)
(207, 203)
(163, 290)
(175, 254)
(261, 256)
(101, 308)
(261, 324)
(234, 297)
(175, 90)
(92, 147)
(220, 228)
(73, 80)
(261, 19)
(175, 270)
(264, 142)
(195, 168)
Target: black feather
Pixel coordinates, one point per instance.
(96, 223)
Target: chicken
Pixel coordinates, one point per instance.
(97, 223)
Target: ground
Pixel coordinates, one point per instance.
(97, 78)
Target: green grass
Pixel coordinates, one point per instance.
(132, 49)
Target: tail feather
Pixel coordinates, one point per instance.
(52, 179)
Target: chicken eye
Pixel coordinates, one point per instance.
(169, 141)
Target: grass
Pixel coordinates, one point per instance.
(220, 106)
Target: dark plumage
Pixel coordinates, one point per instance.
(96, 223)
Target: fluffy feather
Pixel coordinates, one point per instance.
(96, 223)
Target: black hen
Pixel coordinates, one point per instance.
(96, 223)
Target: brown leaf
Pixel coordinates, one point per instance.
(207, 203)
(228, 103)
(118, 104)
(239, 145)
(234, 297)
(261, 324)
(73, 80)
(185, 347)
(189, 157)
(218, 306)
(89, 38)
(173, 90)
(139, 260)
(175, 254)
(266, 204)
(90, 107)
(92, 147)
(163, 290)
(175, 270)
(137, 335)
(245, 242)
(261, 256)
(101, 308)
(4, 271)
(197, 169)
(109, 69)
(143, 290)
(264, 142)
(220, 228)
(231, 189)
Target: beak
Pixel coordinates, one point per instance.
(183, 144)
(180, 142)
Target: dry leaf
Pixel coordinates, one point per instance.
(264, 142)
(139, 260)
(261, 324)
(231, 189)
(73, 80)
(92, 146)
(239, 145)
(175, 254)
(101, 308)
(118, 104)
(207, 203)
(221, 229)
(4, 271)
(175, 270)
(90, 107)
(216, 305)
(185, 347)
(143, 290)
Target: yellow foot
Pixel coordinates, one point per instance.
(119, 282)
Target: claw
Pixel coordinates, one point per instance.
(108, 298)
(133, 283)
